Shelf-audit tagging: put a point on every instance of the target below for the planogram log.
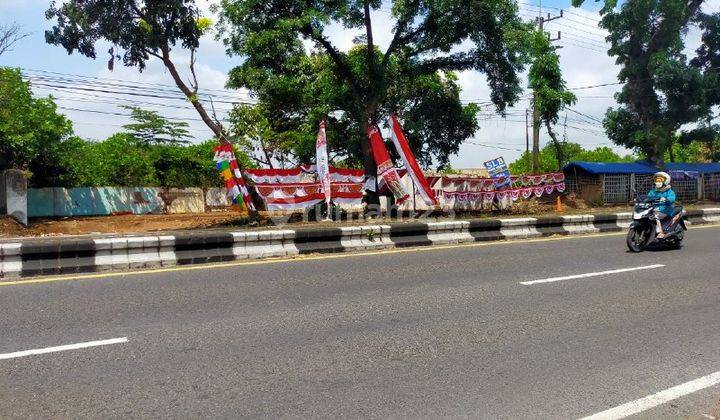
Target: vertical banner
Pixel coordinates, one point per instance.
(230, 171)
(322, 164)
(385, 170)
(410, 162)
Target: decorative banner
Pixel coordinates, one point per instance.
(234, 183)
(515, 194)
(558, 177)
(303, 174)
(539, 191)
(321, 156)
(560, 187)
(413, 169)
(549, 188)
(526, 192)
(385, 169)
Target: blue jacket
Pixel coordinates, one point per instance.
(667, 206)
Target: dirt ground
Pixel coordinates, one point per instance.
(119, 224)
(166, 222)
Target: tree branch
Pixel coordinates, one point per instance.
(216, 127)
(370, 43)
(194, 84)
(9, 36)
(337, 58)
(400, 36)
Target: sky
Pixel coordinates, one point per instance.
(583, 60)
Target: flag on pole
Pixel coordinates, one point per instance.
(230, 171)
(385, 170)
(411, 165)
(323, 167)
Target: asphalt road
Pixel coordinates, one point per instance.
(447, 332)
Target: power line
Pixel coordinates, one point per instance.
(119, 114)
(585, 115)
(119, 80)
(148, 95)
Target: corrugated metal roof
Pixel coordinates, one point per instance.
(597, 168)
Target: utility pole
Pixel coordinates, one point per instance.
(540, 22)
(527, 136)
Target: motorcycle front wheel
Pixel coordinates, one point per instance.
(637, 239)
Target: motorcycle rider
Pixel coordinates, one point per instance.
(664, 192)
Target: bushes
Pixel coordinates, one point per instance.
(121, 160)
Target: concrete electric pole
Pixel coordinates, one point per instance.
(540, 22)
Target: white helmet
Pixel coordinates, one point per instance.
(661, 180)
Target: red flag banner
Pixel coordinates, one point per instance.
(410, 162)
(385, 169)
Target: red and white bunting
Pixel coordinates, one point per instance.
(411, 165)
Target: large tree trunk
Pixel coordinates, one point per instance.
(369, 165)
(216, 128)
(558, 147)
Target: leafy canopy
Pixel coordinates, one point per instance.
(151, 128)
(140, 28)
(550, 90)
(663, 89)
(31, 129)
(414, 76)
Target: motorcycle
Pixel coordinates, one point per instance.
(643, 229)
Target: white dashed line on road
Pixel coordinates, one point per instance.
(586, 275)
(654, 400)
(66, 347)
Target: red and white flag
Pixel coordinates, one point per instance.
(410, 163)
(386, 172)
(323, 166)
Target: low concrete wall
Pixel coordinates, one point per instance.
(103, 201)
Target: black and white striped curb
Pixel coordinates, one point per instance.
(34, 257)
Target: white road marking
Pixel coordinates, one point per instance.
(586, 275)
(637, 406)
(66, 347)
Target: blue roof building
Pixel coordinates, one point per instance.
(608, 183)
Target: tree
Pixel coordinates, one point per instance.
(430, 39)
(550, 91)
(10, 35)
(255, 130)
(141, 30)
(151, 128)
(31, 130)
(571, 151)
(663, 90)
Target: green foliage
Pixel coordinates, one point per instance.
(694, 151)
(413, 77)
(573, 151)
(140, 28)
(31, 130)
(550, 91)
(663, 90)
(545, 79)
(151, 128)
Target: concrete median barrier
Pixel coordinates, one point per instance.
(42, 256)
